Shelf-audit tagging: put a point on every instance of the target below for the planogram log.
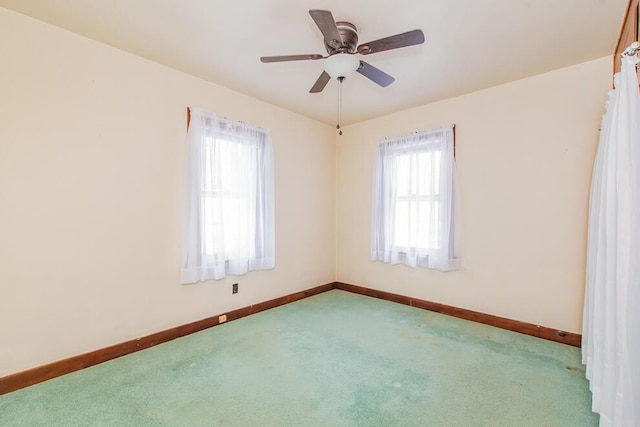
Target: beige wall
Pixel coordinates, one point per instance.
(91, 161)
(524, 155)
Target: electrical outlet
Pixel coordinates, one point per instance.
(222, 319)
(234, 288)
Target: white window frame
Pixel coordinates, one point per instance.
(425, 234)
(227, 160)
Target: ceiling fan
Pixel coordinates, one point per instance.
(341, 43)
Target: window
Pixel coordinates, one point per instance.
(414, 218)
(228, 210)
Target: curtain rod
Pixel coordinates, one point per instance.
(260, 128)
(453, 126)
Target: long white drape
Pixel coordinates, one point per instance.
(228, 225)
(414, 216)
(611, 321)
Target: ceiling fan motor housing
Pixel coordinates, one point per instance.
(341, 42)
(349, 35)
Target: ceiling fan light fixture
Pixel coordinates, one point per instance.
(341, 65)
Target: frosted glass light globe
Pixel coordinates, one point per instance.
(341, 65)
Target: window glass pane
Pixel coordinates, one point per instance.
(401, 226)
(223, 207)
(235, 235)
(208, 161)
(416, 210)
(403, 181)
(435, 174)
(426, 215)
(208, 218)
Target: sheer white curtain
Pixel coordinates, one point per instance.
(228, 225)
(414, 217)
(611, 321)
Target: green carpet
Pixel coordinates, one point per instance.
(335, 359)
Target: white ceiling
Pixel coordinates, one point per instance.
(470, 44)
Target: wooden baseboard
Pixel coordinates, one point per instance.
(61, 367)
(564, 337)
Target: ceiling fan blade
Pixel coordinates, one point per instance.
(322, 81)
(409, 38)
(289, 58)
(324, 20)
(376, 75)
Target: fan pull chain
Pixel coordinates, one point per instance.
(340, 80)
